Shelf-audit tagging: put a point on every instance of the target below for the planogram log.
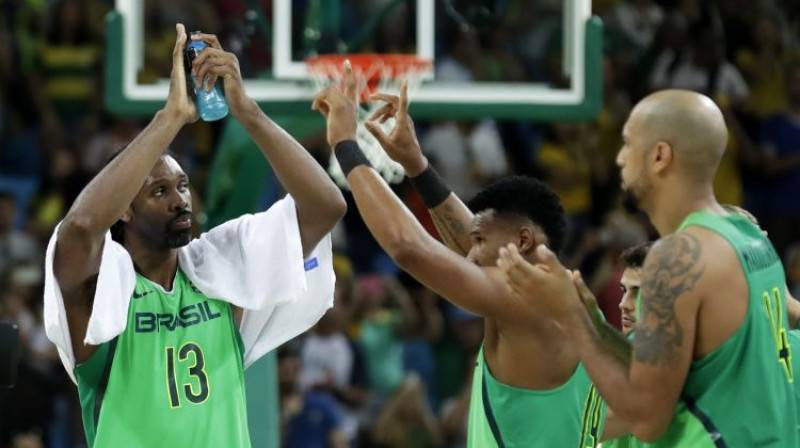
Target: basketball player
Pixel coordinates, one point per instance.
(631, 283)
(529, 388)
(712, 328)
(153, 324)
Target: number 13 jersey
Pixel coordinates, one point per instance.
(177, 367)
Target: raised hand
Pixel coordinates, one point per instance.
(401, 144)
(178, 100)
(547, 283)
(340, 109)
(215, 63)
(585, 294)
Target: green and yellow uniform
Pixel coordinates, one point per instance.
(174, 377)
(571, 415)
(742, 393)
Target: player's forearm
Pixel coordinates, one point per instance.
(452, 218)
(320, 204)
(453, 221)
(103, 201)
(612, 341)
(608, 363)
(614, 427)
(387, 218)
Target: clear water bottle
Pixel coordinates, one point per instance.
(211, 104)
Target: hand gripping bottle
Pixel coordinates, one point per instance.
(211, 104)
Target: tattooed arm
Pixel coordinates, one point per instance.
(452, 218)
(646, 393)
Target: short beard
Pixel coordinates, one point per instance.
(630, 202)
(178, 238)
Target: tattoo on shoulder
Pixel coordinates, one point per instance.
(672, 268)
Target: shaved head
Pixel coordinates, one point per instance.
(690, 123)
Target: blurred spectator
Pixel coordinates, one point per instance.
(69, 62)
(27, 440)
(16, 247)
(455, 413)
(60, 188)
(702, 68)
(326, 355)
(600, 264)
(115, 135)
(638, 20)
(499, 63)
(456, 352)
(467, 154)
(763, 66)
(381, 329)
(461, 63)
(407, 421)
(311, 419)
(418, 353)
(569, 157)
(792, 263)
(778, 202)
(330, 364)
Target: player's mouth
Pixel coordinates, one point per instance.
(183, 221)
(628, 321)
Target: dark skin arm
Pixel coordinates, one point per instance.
(664, 343)
(479, 290)
(320, 204)
(107, 197)
(452, 218)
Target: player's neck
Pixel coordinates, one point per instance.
(157, 265)
(677, 203)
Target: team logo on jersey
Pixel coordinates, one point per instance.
(194, 288)
(139, 295)
(189, 315)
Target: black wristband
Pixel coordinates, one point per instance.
(431, 187)
(349, 156)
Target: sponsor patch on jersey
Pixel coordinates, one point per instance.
(311, 264)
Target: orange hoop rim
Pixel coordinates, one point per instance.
(392, 65)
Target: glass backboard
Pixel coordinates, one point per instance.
(541, 60)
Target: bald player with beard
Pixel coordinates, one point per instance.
(713, 326)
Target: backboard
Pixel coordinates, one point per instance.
(542, 61)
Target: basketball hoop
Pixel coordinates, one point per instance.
(373, 73)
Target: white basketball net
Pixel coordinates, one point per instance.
(326, 72)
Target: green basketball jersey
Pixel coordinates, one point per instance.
(741, 394)
(174, 377)
(794, 342)
(569, 416)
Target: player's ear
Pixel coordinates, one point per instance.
(525, 241)
(662, 156)
(126, 217)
